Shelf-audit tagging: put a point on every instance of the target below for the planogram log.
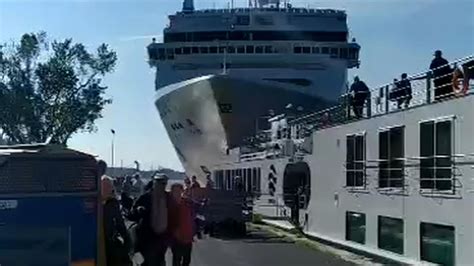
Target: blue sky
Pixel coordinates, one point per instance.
(396, 36)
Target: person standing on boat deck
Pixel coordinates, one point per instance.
(442, 75)
(152, 213)
(182, 236)
(360, 93)
(405, 91)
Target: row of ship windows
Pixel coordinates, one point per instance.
(437, 242)
(169, 53)
(250, 177)
(435, 157)
(210, 36)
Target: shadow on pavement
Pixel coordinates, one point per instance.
(254, 236)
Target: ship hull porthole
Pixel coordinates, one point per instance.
(297, 176)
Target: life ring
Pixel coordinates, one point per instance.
(458, 89)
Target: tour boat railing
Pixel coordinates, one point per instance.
(382, 100)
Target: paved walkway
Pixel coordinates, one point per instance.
(259, 248)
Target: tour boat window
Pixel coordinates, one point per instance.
(259, 179)
(231, 49)
(241, 49)
(306, 50)
(178, 50)
(213, 50)
(244, 178)
(436, 153)
(343, 53)
(355, 160)
(355, 227)
(222, 49)
(315, 50)
(391, 157)
(249, 180)
(186, 50)
(390, 234)
(195, 50)
(437, 243)
(254, 180)
(334, 52)
(227, 179)
(204, 50)
(250, 49)
(297, 49)
(259, 49)
(325, 50)
(268, 49)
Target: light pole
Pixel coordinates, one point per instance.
(113, 148)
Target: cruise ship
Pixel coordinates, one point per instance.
(220, 73)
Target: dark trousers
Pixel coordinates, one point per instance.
(181, 254)
(154, 254)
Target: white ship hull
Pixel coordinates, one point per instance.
(206, 117)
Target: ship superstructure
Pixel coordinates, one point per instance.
(219, 71)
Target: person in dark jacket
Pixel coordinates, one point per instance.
(154, 221)
(360, 93)
(116, 238)
(402, 92)
(442, 76)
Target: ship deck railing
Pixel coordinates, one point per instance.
(267, 9)
(380, 102)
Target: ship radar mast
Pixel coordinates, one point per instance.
(188, 5)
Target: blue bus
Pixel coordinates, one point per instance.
(49, 206)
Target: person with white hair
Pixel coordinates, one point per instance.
(151, 213)
(115, 240)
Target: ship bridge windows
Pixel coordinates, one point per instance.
(186, 50)
(250, 49)
(315, 50)
(241, 49)
(353, 52)
(204, 50)
(213, 50)
(325, 50)
(208, 36)
(259, 49)
(231, 50)
(268, 49)
(243, 20)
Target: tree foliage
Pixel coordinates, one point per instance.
(50, 90)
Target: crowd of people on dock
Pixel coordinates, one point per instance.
(158, 219)
(445, 81)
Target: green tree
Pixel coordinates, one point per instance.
(50, 90)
